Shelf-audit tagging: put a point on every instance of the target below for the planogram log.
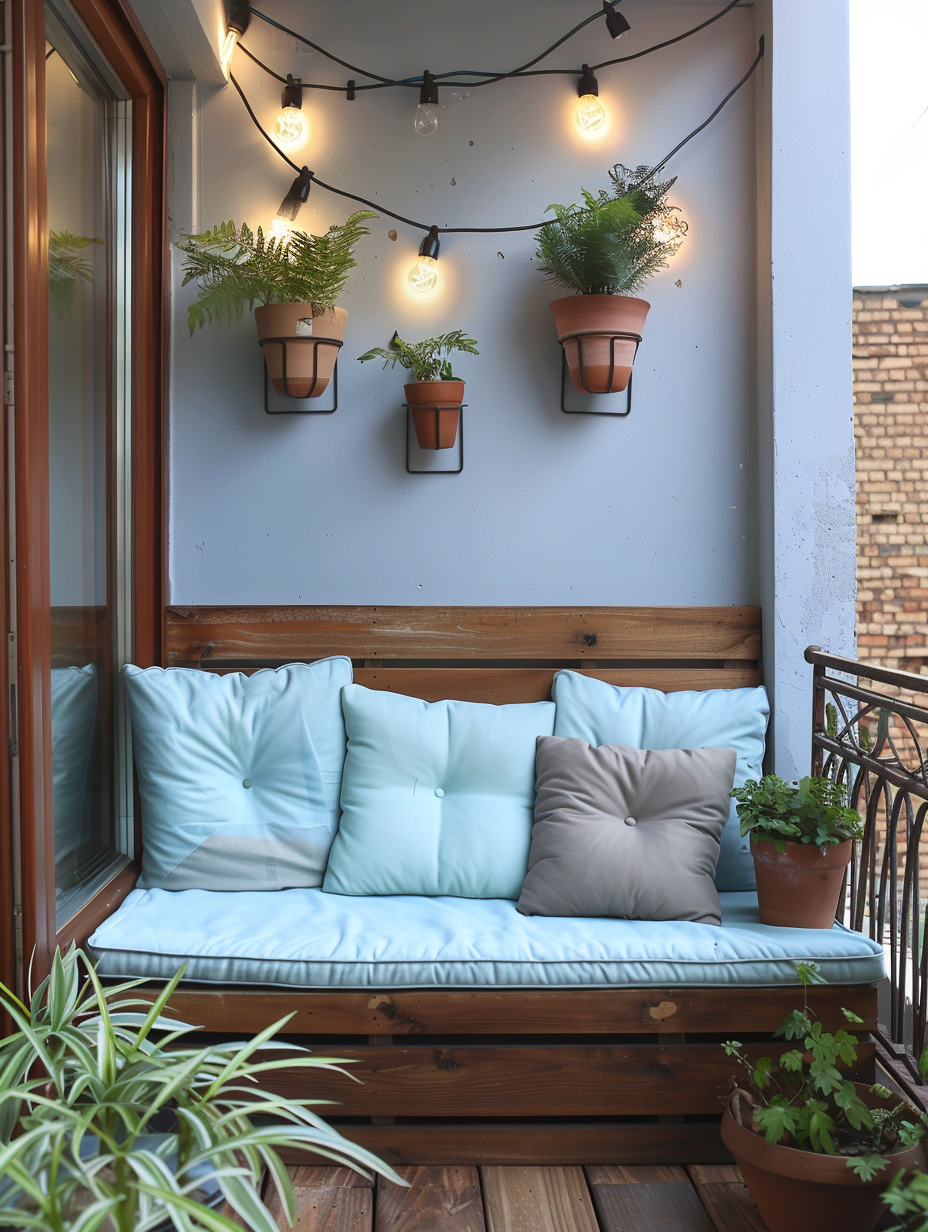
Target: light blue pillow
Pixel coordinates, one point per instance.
(437, 798)
(600, 713)
(239, 775)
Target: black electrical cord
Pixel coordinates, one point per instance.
(525, 70)
(532, 226)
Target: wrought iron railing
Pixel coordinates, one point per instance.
(875, 741)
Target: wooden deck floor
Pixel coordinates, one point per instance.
(532, 1199)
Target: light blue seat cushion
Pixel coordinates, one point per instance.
(437, 798)
(600, 713)
(239, 775)
(310, 939)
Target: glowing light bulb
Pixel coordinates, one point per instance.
(423, 276)
(238, 24)
(670, 229)
(591, 114)
(427, 111)
(229, 43)
(280, 230)
(290, 126)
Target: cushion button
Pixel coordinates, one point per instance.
(246, 782)
(439, 792)
(631, 821)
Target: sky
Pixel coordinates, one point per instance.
(889, 141)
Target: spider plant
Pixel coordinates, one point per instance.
(87, 1077)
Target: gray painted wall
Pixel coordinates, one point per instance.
(657, 509)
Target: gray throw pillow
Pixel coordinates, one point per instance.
(627, 833)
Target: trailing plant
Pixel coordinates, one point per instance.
(813, 810)
(615, 241)
(235, 267)
(804, 1100)
(907, 1195)
(427, 360)
(86, 1079)
(67, 266)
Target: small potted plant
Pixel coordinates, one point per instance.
(294, 280)
(109, 1119)
(435, 394)
(816, 1150)
(801, 836)
(602, 251)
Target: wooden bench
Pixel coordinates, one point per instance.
(502, 1076)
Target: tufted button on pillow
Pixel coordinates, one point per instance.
(631, 821)
(239, 775)
(439, 792)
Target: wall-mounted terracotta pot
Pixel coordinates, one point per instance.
(297, 321)
(435, 428)
(799, 886)
(579, 318)
(799, 1191)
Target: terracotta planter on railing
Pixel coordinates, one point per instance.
(298, 366)
(586, 325)
(799, 886)
(435, 407)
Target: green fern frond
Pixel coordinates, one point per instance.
(427, 360)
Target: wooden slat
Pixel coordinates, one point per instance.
(619, 1174)
(326, 1200)
(569, 1142)
(537, 1199)
(439, 1199)
(663, 1207)
(503, 685)
(512, 1011)
(200, 634)
(726, 1198)
(537, 1080)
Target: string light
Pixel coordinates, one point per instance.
(290, 126)
(427, 111)
(423, 276)
(591, 115)
(616, 23)
(296, 196)
(238, 24)
(280, 231)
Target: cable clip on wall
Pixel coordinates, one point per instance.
(597, 368)
(296, 376)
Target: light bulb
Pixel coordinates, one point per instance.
(426, 119)
(280, 230)
(229, 44)
(290, 126)
(423, 276)
(591, 115)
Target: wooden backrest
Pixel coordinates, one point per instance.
(489, 654)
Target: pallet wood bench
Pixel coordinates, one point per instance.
(509, 1076)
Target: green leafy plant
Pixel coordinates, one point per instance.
(811, 811)
(803, 1099)
(614, 242)
(235, 267)
(907, 1195)
(427, 360)
(87, 1076)
(67, 266)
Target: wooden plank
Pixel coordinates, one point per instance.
(662, 1207)
(570, 1142)
(242, 1009)
(438, 1198)
(198, 634)
(619, 1174)
(326, 1200)
(726, 1198)
(537, 1199)
(536, 1080)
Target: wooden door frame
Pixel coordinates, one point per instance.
(116, 32)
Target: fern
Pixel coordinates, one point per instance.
(236, 268)
(614, 242)
(427, 360)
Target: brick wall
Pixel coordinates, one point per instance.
(891, 430)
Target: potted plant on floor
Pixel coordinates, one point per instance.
(435, 394)
(801, 836)
(816, 1150)
(602, 251)
(109, 1121)
(295, 281)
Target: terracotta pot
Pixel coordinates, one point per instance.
(799, 886)
(281, 321)
(579, 318)
(799, 1191)
(435, 428)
